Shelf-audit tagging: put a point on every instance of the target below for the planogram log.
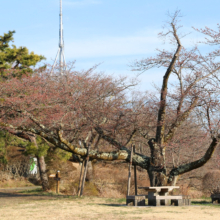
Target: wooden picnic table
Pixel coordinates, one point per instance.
(160, 190)
(159, 195)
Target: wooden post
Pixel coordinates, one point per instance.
(129, 172)
(135, 174)
(58, 181)
(80, 178)
(85, 170)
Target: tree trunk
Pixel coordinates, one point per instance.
(157, 168)
(43, 174)
(41, 165)
(89, 175)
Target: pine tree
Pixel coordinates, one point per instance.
(16, 59)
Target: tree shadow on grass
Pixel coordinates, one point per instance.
(204, 202)
(201, 202)
(34, 195)
(114, 205)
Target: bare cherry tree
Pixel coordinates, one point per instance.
(67, 111)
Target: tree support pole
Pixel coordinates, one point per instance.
(80, 178)
(85, 170)
(135, 174)
(58, 182)
(129, 172)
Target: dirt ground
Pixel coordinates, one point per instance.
(14, 205)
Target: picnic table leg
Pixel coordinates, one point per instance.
(165, 201)
(152, 201)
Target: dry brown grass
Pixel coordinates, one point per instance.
(15, 183)
(25, 207)
(110, 180)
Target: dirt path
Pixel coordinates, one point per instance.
(15, 206)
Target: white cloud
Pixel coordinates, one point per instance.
(143, 43)
(81, 3)
(123, 48)
(101, 46)
(111, 46)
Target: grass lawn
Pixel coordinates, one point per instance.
(35, 204)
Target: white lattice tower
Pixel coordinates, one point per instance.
(62, 62)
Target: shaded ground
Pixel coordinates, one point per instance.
(35, 205)
(16, 189)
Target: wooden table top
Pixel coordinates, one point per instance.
(159, 188)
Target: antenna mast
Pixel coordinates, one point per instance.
(62, 62)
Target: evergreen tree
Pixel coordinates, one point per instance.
(16, 59)
(15, 62)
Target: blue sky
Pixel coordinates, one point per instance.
(111, 32)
